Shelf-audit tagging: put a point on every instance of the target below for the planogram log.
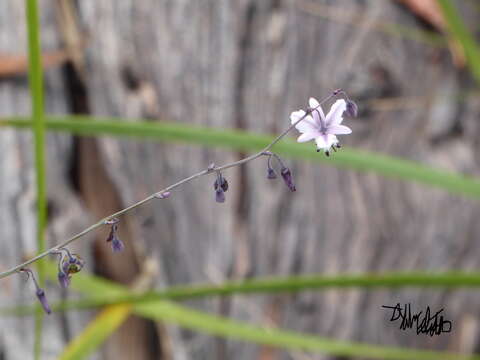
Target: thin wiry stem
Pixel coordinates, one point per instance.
(211, 169)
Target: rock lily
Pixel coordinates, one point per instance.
(323, 129)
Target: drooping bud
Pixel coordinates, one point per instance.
(38, 291)
(271, 174)
(63, 279)
(74, 265)
(219, 195)
(163, 195)
(221, 186)
(117, 244)
(43, 300)
(287, 178)
(67, 264)
(352, 108)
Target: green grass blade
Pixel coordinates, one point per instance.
(459, 31)
(101, 292)
(219, 326)
(348, 158)
(161, 310)
(36, 95)
(95, 334)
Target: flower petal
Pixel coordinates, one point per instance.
(325, 141)
(335, 115)
(339, 129)
(310, 135)
(306, 125)
(314, 104)
(296, 115)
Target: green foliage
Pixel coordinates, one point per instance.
(102, 292)
(158, 309)
(36, 94)
(288, 340)
(239, 140)
(459, 31)
(96, 332)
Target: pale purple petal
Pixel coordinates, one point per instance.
(306, 125)
(308, 136)
(335, 115)
(339, 130)
(314, 104)
(296, 115)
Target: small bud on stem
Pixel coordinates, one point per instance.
(287, 178)
(270, 172)
(38, 291)
(117, 244)
(221, 186)
(352, 108)
(163, 195)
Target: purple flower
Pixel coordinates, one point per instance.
(320, 127)
(287, 178)
(117, 244)
(221, 186)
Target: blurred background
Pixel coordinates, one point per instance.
(244, 64)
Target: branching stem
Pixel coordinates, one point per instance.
(212, 168)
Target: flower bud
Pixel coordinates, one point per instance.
(163, 195)
(43, 300)
(287, 178)
(352, 108)
(271, 174)
(38, 291)
(74, 265)
(117, 244)
(219, 195)
(63, 279)
(221, 186)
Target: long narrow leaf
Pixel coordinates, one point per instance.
(168, 312)
(219, 326)
(348, 158)
(102, 292)
(460, 32)
(36, 95)
(95, 334)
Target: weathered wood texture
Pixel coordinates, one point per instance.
(247, 64)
